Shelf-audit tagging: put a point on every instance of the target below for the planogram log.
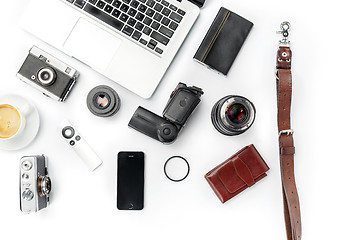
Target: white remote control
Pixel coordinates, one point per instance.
(76, 142)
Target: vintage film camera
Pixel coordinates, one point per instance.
(48, 74)
(35, 185)
(181, 104)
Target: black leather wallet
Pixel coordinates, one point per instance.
(223, 41)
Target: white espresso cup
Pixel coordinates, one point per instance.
(12, 120)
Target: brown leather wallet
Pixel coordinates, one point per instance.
(240, 171)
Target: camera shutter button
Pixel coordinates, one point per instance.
(166, 131)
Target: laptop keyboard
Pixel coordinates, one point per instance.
(149, 22)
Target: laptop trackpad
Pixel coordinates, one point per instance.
(91, 44)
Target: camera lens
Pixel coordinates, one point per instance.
(44, 185)
(233, 115)
(103, 101)
(46, 76)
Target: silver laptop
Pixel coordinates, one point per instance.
(132, 42)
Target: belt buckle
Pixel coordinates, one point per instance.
(287, 132)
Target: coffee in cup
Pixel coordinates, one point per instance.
(10, 121)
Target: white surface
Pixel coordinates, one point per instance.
(325, 117)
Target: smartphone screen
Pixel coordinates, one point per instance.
(130, 181)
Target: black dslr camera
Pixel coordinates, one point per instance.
(183, 100)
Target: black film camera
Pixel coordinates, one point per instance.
(181, 104)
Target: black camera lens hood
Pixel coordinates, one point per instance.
(111, 108)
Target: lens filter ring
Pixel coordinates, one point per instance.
(103, 101)
(46, 76)
(174, 158)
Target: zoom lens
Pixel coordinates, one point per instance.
(46, 76)
(103, 101)
(233, 115)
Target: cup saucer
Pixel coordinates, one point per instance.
(31, 128)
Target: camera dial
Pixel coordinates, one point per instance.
(233, 115)
(46, 76)
(28, 195)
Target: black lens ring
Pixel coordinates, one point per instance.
(228, 130)
(177, 180)
(113, 105)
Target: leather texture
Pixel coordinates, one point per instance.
(239, 172)
(286, 145)
(223, 41)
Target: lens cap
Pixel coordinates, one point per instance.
(103, 101)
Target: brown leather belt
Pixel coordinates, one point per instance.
(286, 143)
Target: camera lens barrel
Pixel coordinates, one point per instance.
(103, 101)
(46, 76)
(233, 115)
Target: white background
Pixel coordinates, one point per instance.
(325, 117)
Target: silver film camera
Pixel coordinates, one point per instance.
(35, 184)
(52, 77)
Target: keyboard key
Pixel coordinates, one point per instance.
(158, 50)
(160, 38)
(103, 17)
(151, 46)
(139, 26)
(155, 25)
(93, 2)
(165, 3)
(147, 30)
(158, 7)
(124, 7)
(167, 32)
(80, 3)
(131, 22)
(181, 12)
(150, 3)
(109, 1)
(166, 11)
(150, 12)
(116, 3)
(70, 1)
(134, 4)
(127, 1)
(140, 16)
(124, 17)
(153, 42)
(128, 30)
(172, 7)
(142, 8)
(100, 4)
(132, 12)
(108, 9)
(147, 21)
(136, 35)
(176, 17)
(143, 1)
(116, 13)
(158, 17)
(173, 26)
(165, 21)
(143, 41)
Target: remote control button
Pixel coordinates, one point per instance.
(77, 138)
(72, 142)
(68, 132)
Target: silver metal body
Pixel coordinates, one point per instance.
(34, 192)
(108, 51)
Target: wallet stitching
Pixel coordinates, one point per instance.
(222, 24)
